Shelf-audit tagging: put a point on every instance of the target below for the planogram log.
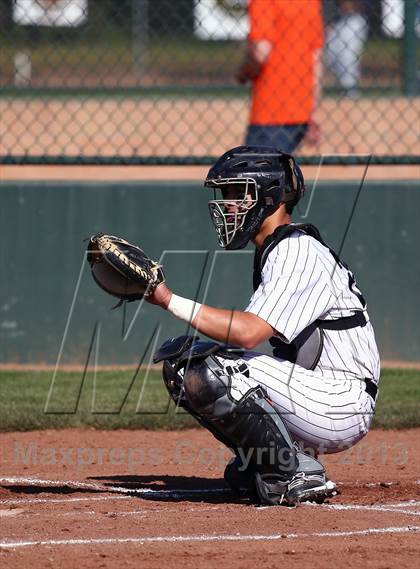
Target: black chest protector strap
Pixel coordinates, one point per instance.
(306, 348)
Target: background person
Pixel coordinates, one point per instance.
(283, 64)
(345, 40)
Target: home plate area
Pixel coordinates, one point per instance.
(181, 514)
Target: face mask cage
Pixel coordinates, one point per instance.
(228, 214)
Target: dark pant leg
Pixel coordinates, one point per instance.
(284, 137)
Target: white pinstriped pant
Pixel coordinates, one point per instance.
(323, 414)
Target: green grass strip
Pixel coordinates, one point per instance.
(122, 399)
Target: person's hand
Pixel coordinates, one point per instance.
(256, 55)
(160, 296)
(248, 71)
(313, 134)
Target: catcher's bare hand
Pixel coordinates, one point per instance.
(161, 296)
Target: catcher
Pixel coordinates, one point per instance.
(316, 394)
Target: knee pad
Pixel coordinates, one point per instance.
(182, 354)
(215, 389)
(202, 388)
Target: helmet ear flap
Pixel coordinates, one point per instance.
(295, 181)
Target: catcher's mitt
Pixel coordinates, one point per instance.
(122, 269)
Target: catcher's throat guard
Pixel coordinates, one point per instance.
(122, 269)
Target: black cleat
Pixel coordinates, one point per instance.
(310, 488)
(273, 490)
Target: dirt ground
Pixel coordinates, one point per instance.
(157, 499)
(180, 127)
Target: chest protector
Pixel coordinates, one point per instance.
(306, 349)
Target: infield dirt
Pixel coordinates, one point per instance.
(157, 499)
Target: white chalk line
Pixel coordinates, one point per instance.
(108, 514)
(129, 492)
(63, 500)
(403, 504)
(29, 501)
(95, 486)
(73, 484)
(77, 485)
(155, 510)
(178, 493)
(374, 508)
(204, 537)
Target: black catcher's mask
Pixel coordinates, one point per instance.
(253, 181)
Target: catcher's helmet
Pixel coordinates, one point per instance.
(254, 180)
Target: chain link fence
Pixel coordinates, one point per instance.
(153, 81)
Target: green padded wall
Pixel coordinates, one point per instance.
(42, 263)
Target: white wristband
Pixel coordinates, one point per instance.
(183, 308)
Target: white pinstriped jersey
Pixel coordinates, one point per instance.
(302, 282)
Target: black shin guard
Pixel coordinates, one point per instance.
(220, 394)
(259, 435)
(250, 423)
